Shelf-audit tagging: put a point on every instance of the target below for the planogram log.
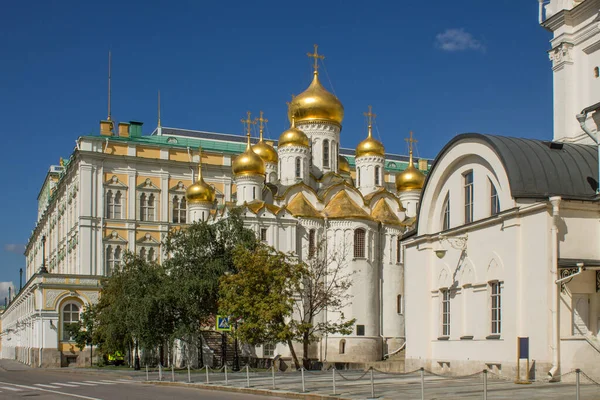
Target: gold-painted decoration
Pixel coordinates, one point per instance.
(200, 192)
(411, 178)
(248, 163)
(343, 164)
(256, 205)
(383, 213)
(342, 206)
(293, 137)
(370, 146)
(299, 206)
(263, 149)
(316, 103)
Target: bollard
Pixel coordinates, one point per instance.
(485, 384)
(189, 375)
(303, 387)
(147, 373)
(422, 384)
(273, 375)
(334, 381)
(159, 372)
(372, 384)
(577, 371)
(225, 374)
(247, 375)
(207, 380)
(172, 372)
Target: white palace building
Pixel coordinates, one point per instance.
(507, 241)
(121, 191)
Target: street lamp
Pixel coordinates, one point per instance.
(43, 269)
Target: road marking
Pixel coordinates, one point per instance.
(84, 384)
(11, 388)
(64, 384)
(99, 383)
(46, 390)
(46, 386)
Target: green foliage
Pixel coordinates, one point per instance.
(84, 332)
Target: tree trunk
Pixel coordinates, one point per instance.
(305, 343)
(294, 356)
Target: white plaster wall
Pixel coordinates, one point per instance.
(287, 161)
(366, 165)
(317, 132)
(249, 188)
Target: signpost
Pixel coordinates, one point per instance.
(522, 353)
(223, 324)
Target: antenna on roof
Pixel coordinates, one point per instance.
(109, 74)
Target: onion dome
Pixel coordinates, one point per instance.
(316, 104)
(370, 146)
(293, 137)
(200, 192)
(411, 178)
(343, 164)
(248, 163)
(264, 150)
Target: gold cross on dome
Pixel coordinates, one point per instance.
(410, 141)
(317, 57)
(261, 120)
(248, 122)
(370, 116)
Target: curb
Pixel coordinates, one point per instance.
(263, 392)
(110, 374)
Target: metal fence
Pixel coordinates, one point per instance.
(372, 382)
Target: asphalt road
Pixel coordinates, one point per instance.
(53, 385)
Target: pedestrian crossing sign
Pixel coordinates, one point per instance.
(223, 323)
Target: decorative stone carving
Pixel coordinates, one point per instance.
(564, 273)
(561, 55)
(52, 295)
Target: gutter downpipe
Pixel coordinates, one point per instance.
(595, 137)
(555, 201)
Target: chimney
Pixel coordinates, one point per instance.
(124, 129)
(106, 127)
(135, 129)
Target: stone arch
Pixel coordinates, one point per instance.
(468, 274)
(444, 278)
(495, 269)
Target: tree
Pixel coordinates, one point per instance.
(198, 256)
(262, 293)
(279, 298)
(134, 308)
(84, 332)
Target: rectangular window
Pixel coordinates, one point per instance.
(495, 201)
(263, 234)
(446, 224)
(399, 304)
(326, 153)
(268, 350)
(398, 249)
(445, 295)
(311, 243)
(298, 167)
(359, 243)
(377, 183)
(468, 197)
(496, 305)
(360, 330)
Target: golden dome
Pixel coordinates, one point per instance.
(293, 137)
(200, 192)
(343, 164)
(316, 103)
(264, 150)
(411, 178)
(248, 163)
(370, 147)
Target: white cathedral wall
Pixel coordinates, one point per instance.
(317, 133)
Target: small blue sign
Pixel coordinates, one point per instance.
(223, 323)
(523, 347)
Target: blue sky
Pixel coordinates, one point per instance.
(438, 68)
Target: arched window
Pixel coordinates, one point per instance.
(377, 180)
(469, 190)
(311, 243)
(109, 204)
(151, 208)
(359, 243)
(357, 176)
(298, 167)
(326, 153)
(494, 200)
(596, 72)
(117, 206)
(183, 210)
(343, 346)
(253, 193)
(151, 254)
(399, 304)
(109, 257)
(398, 249)
(117, 258)
(143, 253)
(176, 209)
(446, 222)
(70, 315)
(143, 207)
